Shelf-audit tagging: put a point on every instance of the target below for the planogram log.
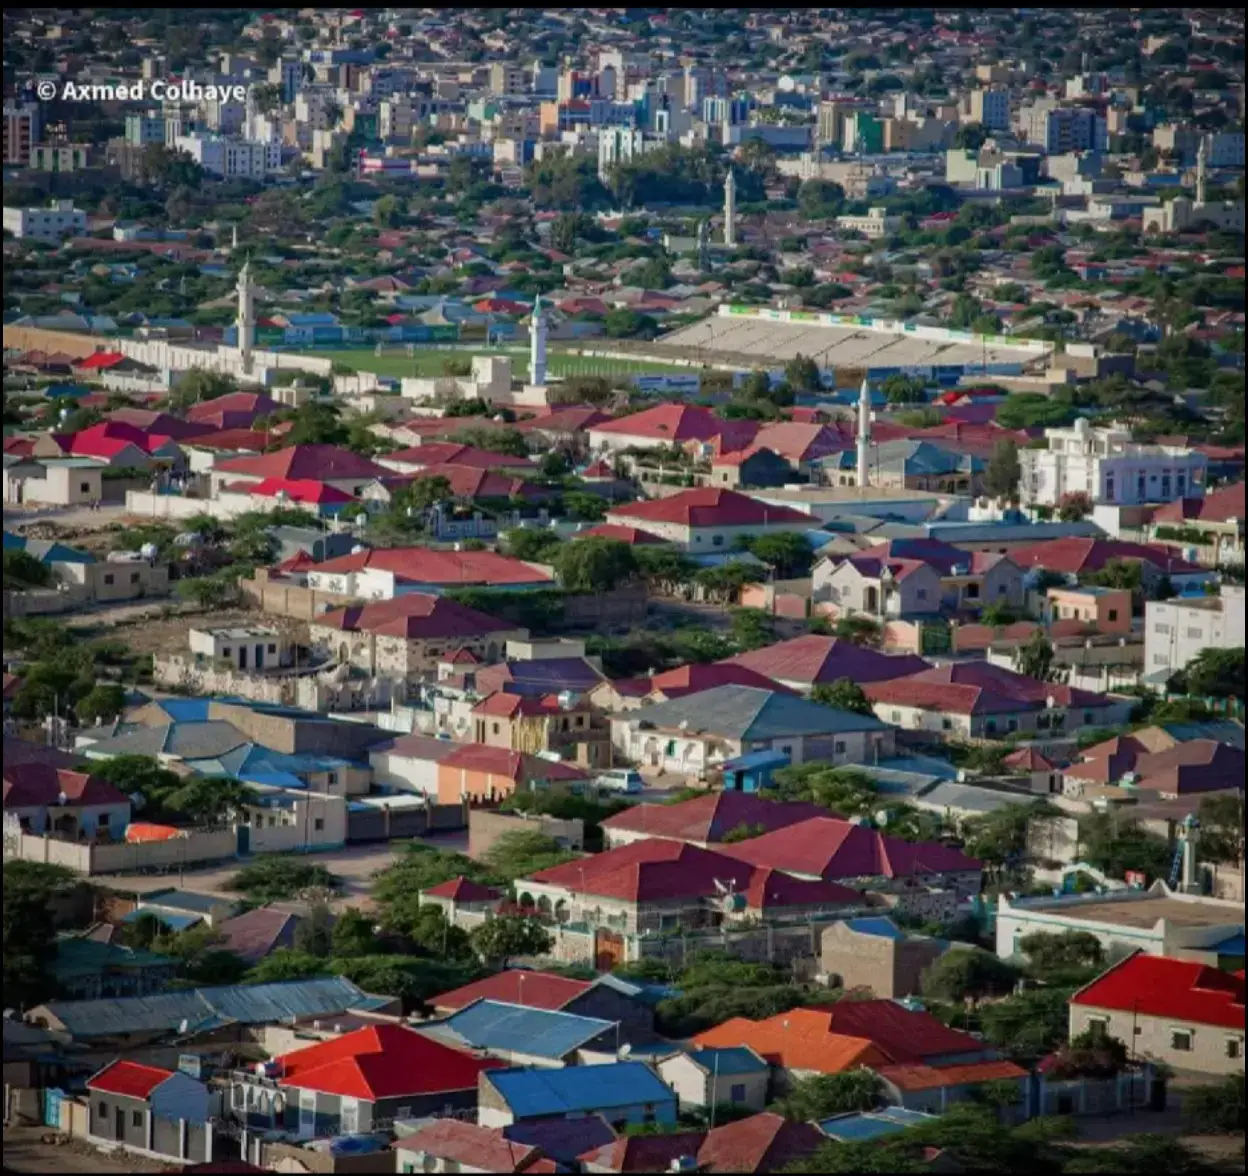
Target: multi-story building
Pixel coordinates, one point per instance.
(1058, 129)
(59, 157)
(509, 78)
(231, 158)
(990, 108)
(1109, 467)
(1176, 630)
(619, 145)
(21, 130)
(59, 220)
(875, 225)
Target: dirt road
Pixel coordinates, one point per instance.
(24, 1151)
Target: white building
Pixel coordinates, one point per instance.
(59, 220)
(876, 224)
(619, 145)
(231, 158)
(253, 648)
(1107, 466)
(1175, 631)
(1065, 128)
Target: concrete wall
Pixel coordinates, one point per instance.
(486, 826)
(200, 846)
(890, 968)
(1155, 1039)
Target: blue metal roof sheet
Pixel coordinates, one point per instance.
(177, 922)
(1234, 946)
(493, 1024)
(857, 1127)
(732, 1060)
(530, 1093)
(885, 928)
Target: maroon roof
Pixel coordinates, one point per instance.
(254, 934)
(644, 1153)
(831, 848)
(536, 990)
(416, 616)
(1073, 556)
(480, 1149)
(765, 1142)
(462, 889)
(909, 1035)
(708, 818)
(322, 463)
(29, 785)
(813, 659)
(978, 688)
(699, 676)
(709, 507)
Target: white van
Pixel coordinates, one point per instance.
(626, 780)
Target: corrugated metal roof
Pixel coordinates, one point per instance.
(530, 1093)
(491, 1024)
(730, 1060)
(254, 1004)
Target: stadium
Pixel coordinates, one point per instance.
(758, 337)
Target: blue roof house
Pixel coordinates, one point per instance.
(623, 1093)
(703, 1078)
(525, 1036)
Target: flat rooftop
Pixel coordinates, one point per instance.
(837, 346)
(1146, 910)
(796, 495)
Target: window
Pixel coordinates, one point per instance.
(101, 1109)
(1088, 717)
(896, 716)
(1002, 589)
(1181, 1040)
(840, 746)
(1109, 487)
(990, 725)
(1113, 614)
(1161, 630)
(972, 591)
(717, 541)
(272, 648)
(495, 728)
(319, 824)
(1234, 1047)
(331, 778)
(922, 593)
(136, 1119)
(1197, 633)
(1098, 1026)
(946, 724)
(108, 578)
(1011, 725)
(84, 487)
(737, 1093)
(134, 577)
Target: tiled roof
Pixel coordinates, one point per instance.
(539, 990)
(620, 533)
(416, 616)
(37, 784)
(919, 1077)
(429, 566)
(979, 688)
(382, 1061)
(434, 453)
(468, 482)
(710, 817)
(1221, 505)
(813, 659)
(1073, 556)
(462, 889)
(482, 1149)
(514, 765)
(326, 463)
(1157, 986)
(709, 507)
(698, 676)
(830, 848)
(765, 1142)
(644, 1153)
(129, 1079)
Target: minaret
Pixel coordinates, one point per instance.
(234, 239)
(1200, 173)
(864, 433)
(537, 344)
(704, 247)
(246, 317)
(730, 209)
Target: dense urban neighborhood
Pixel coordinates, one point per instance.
(624, 590)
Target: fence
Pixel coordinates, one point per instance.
(290, 600)
(197, 847)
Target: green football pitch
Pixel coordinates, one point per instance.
(429, 361)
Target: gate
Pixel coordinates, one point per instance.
(243, 847)
(52, 1102)
(608, 950)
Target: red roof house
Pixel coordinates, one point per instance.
(417, 616)
(1076, 556)
(665, 424)
(470, 1148)
(323, 463)
(693, 517)
(38, 785)
(383, 1065)
(807, 661)
(705, 820)
(537, 990)
(128, 1079)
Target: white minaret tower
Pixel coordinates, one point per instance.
(234, 239)
(537, 344)
(246, 317)
(864, 433)
(730, 209)
(1201, 159)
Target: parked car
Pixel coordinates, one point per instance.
(621, 780)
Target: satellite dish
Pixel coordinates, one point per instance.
(625, 1050)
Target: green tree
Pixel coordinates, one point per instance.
(1218, 673)
(860, 630)
(999, 838)
(848, 792)
(22, 570)
(317, 423)
(1028, 410)
(1002, 475)
(1216, 1106)
(1029, 1025)
(594, 565)
(1034, 658)
(821, 1096)
(844, 694)
(103, 704)
(1221, 816)
(208, 800)
(964, 973)
(429, 932)
(1134, 1154)
(314, 934)
(589, 508)
(1115, 844)
(197, 386)
(802, 374)
(1072, 508)
(536, 545)
(274, 878)
(494, 439)
(500, 939)
(30, 889)
(286, 964)
(624, 323)
(144, 931)
(752, 628)
(1052, 957)
(1092, 1054)
(787, 552)
(353, 933)
(522, 852)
